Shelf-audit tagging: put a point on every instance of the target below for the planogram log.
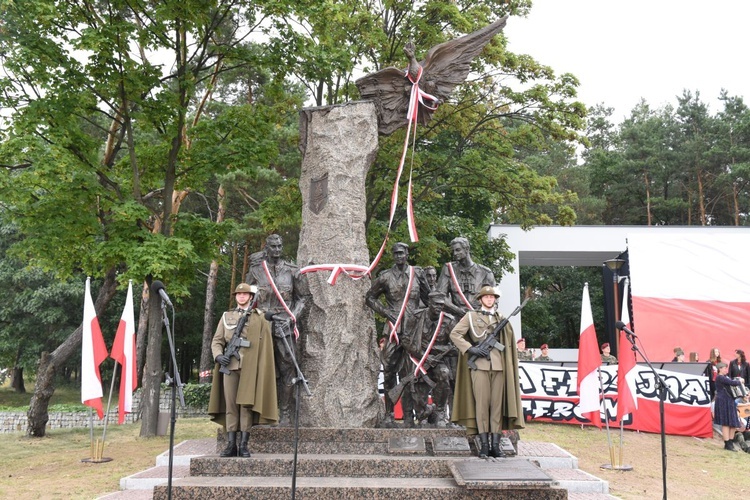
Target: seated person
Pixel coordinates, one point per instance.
(606, 356)
(523, 353)
(545, 354)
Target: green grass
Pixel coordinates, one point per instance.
(65, 398)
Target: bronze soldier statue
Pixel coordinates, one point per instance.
(431, 274)
(392, 285)
(281, 290)
(462, 279)
(427, 333)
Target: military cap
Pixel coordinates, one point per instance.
(487, 290)
(245, 288)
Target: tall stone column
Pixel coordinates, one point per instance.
(340, 355)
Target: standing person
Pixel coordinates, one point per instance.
(488, 399)
(247, 394)
(281, 290)
(427, 333)
(725, 411)
(392, 285)
(606, 356)
(544, 356)
(714, 357)
(523, 353)
(739, 367)
(679, 355)
(461, 279)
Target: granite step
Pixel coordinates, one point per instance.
(325, 488)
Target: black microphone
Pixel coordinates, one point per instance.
(622, 326)
(268, 315)
(158, 287)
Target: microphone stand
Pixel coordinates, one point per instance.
(663, 389)
(299, 379)
(176, 384)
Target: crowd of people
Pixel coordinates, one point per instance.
(730, 400)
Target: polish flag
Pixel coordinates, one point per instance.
(627, 402)
(589, 361)
(93, 353)
(690, 289)
(123, 351)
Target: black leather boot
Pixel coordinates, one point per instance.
(231, 449)
(485, 445)
(495, 450)
(244, 439)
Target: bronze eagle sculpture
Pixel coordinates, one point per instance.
(444, 67)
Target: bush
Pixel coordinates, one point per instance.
(197, 395)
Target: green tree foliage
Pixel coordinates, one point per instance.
(554, 315)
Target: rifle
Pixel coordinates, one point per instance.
(396, 392)
(491, 341)
(232, 349)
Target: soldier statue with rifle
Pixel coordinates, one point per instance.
(427, 339)
(282, 291)
(402, 286)
(487, 396)
(243, 391)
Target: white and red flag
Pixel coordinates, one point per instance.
(626, 373)
(691, 289)
(123, 351)
(589, 361)
(93, 353)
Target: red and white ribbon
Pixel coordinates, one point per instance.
(279, 297)
(394, 326)
(419, 367)
(458, 287)
(417, 97)
(429, 347)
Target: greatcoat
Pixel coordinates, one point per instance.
(257, 386)
(471, 330)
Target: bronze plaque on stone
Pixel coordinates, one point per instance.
(501, 473)
(451, 445)
(318, 193)
(406, 445)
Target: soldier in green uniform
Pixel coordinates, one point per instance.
(545, 354)
(523, 353)
(606, 356)
(487, 399)
(247, 394)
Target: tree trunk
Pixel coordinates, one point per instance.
(207, 358)
(648, 197)
(701, 204)
(38, 415)
(16, 380)
(153, 373)
(140, 338)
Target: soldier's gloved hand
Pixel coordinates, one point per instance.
(482, 352)
(223, 359)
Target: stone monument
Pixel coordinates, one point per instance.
(339, 355)
(339, 352)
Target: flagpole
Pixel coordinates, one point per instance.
(109, 403)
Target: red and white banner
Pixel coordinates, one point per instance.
(93, 353)
(589, 362)
(123, 351)
(690, 290)
(549, 394)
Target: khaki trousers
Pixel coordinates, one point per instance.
(239, 418)
(488, 387)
